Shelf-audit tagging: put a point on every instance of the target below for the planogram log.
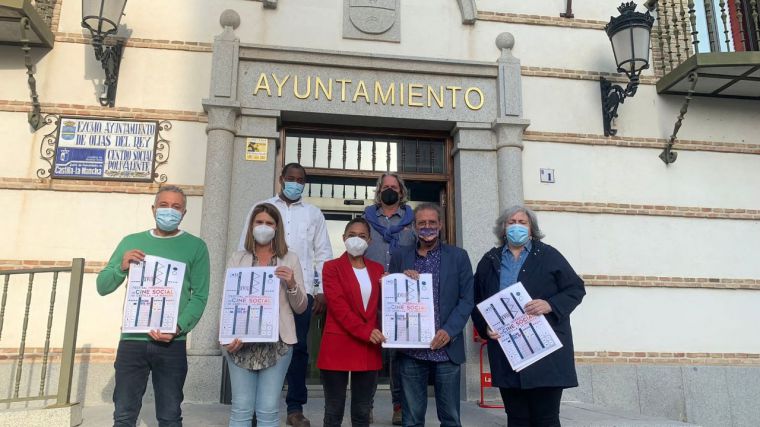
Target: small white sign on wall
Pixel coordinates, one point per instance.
(547, 175)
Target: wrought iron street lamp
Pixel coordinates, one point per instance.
(629, 34)
(101, 18)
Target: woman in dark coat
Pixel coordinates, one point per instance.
(531, 396)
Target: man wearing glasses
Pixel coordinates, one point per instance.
(453, 301)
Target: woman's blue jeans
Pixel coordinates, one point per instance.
(258, 391)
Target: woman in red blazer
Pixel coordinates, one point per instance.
(352, 337)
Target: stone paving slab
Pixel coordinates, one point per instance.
(572, 414)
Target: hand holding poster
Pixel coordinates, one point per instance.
(250, 305)
(408, 319)
(525, 339)
(153, 291)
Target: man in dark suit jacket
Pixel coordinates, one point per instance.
(453, 298)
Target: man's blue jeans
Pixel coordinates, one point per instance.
(167, 364)
(414, 379)
(297, 394)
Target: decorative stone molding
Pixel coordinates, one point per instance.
(98, 111)
(552, 21)
(645, 210)
(108, 355)
(640, 142)
(378, 20)
(469, 11)
(665, 358)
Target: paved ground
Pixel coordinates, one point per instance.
(572, 414)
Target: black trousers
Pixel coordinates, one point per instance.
(363, 384)
(167, 363)
(536, 407)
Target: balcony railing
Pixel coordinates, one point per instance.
(34, 281)
(45, 9)
(27, 19)
(718, 40)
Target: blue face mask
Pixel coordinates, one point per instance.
(168, 219)
(427, 232)
(292, 190)
(518, 234)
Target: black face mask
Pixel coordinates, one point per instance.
(389, 196)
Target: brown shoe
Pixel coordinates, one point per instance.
(396, 415)
(296, 419)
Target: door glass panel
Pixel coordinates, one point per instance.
(366, 152)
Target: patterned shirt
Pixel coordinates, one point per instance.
(430, 264)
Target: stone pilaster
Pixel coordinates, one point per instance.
(509, 125)
(204, 376)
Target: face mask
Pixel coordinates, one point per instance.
(356, 246)
(427, 232)
(168, 219)
(263, 234)
(389, 196)
(292, 190)
(517, 234)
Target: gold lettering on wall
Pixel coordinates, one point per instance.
(437, 96)
(391, 93)
(308, 88)
(467, 98)
(279, 83)
(343, 84)
(453, 90)
(327, 91)
(386, 93)
(361, 90)
(262, 84)
(413, 94)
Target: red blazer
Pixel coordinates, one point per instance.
(345, 340)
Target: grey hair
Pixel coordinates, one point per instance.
(430, 206)
(501, 223)
(173, 189)
(403, 197)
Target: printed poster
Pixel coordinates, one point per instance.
(250, 305)
(154, 287)
(408, 311)
(525, 339)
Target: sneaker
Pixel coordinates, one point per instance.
(396, 415)
(296, 419)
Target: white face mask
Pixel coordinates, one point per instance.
(356, 246)
(263, 234)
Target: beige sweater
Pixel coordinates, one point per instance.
(289, 303)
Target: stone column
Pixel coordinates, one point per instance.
(252, 181)
(204, 376)
(476, 205)
(509, 125)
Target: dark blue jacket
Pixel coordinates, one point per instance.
(455, 301)
(546, 275)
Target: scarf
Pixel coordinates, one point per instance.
(390, 234)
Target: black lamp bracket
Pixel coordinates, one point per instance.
(612, 96)
(110, 59)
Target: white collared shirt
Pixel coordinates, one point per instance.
(305, 234)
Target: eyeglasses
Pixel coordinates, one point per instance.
(430, 223)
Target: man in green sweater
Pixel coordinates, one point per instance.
(161, 354)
